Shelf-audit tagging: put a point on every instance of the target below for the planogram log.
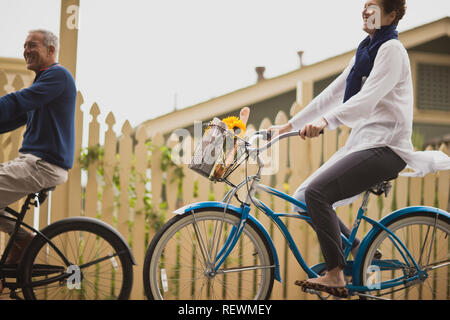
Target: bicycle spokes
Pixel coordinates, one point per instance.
(92, 274)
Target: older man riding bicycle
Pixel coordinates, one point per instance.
(47, 109)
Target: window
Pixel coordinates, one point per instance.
(433, 87)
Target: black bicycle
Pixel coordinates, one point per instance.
(77, 258)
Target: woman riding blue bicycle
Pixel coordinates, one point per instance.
(217, 250)
(374, 97)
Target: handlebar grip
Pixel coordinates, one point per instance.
(267, 135)
(321, 131)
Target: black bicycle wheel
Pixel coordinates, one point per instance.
(99, 266)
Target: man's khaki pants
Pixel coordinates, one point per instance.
(24, 175)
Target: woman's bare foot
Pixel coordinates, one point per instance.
(332, 278)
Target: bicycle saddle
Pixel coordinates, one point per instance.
(383, 187)
(42, 195)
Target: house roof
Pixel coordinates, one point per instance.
(268, 88)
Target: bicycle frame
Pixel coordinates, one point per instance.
(18, 219)
(19, 216)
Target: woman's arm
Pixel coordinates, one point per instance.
(329, 98)
(385, 75)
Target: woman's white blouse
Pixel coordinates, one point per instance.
(380, 114)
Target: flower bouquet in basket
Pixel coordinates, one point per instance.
(229, 156)
(218, 149)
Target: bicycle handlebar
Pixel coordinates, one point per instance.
(270, 142)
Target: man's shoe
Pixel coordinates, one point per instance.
(17, 249)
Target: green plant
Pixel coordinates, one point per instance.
(417, 139)
(90, 155)
(155, 216)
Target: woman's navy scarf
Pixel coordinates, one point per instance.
(365, 57)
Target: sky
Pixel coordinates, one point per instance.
(141, 58)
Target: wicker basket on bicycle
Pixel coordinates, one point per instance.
(219, 152)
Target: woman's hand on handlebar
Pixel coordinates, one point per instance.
(313, 129)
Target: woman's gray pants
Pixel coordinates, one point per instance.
(349, 176)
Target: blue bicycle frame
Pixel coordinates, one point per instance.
(353, 267)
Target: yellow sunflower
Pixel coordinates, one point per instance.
(235, 124)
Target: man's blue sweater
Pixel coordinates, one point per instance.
(47, 107)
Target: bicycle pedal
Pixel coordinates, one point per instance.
(318, 293)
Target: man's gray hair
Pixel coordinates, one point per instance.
(50, 39)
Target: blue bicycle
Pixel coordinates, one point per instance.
(215, 250)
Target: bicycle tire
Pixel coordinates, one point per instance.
(152, 283)
(417, 221)
(93, 240)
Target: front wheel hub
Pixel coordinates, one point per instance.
(210, 273)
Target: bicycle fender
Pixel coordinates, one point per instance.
(384, 222)
(216, 204)
(93, 221)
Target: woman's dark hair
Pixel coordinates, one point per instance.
(399, 6)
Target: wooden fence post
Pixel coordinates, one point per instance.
(171, 178)
(67, 197)
(91, 198)
(139, 218)
(109, 164)
(279, 205)
(156, 179)
(187, 190)
(125, 153)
